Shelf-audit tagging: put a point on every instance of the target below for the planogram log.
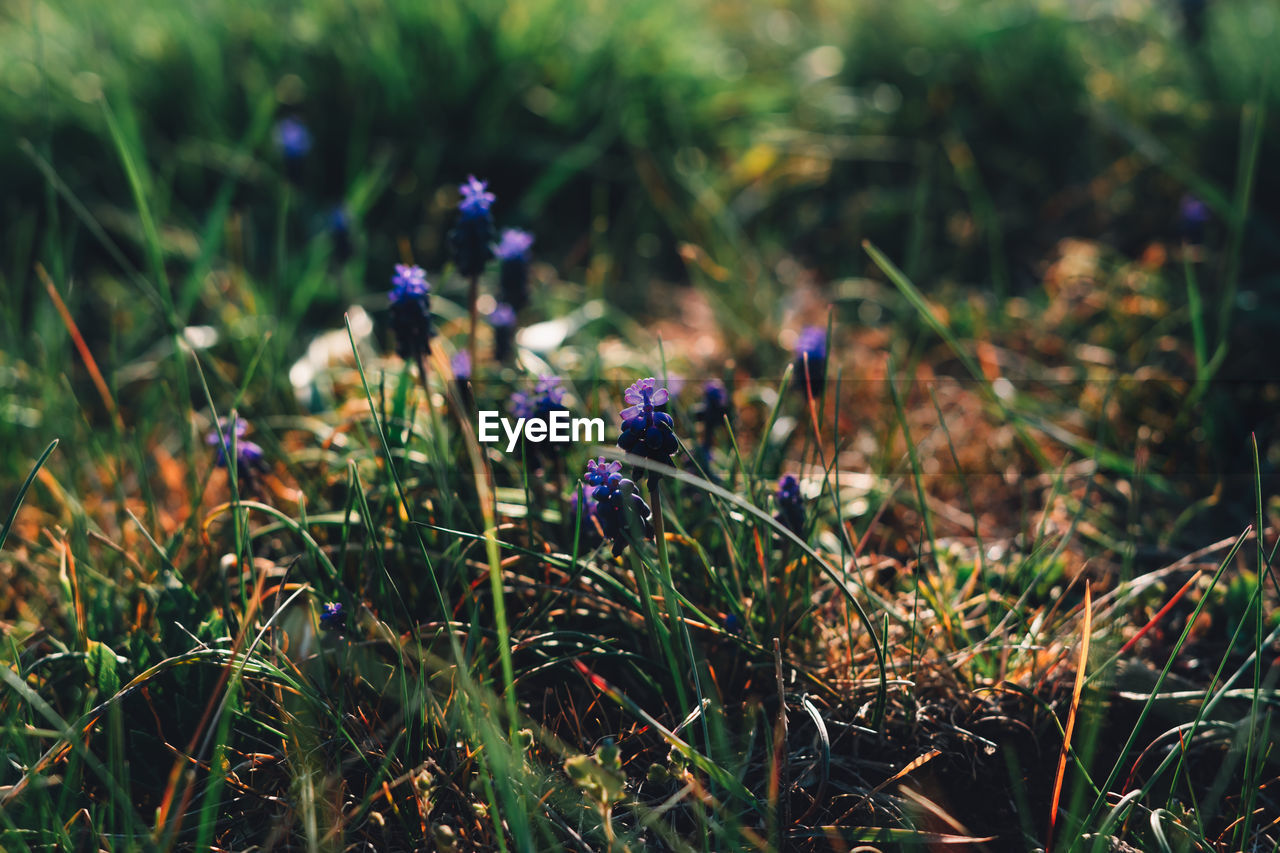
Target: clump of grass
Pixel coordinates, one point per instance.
(937, 578)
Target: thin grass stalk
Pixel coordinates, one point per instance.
(751, 509)
(473, 296)
(676, 614)
(660, 633)
(1114, 774)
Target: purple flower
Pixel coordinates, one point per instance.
(547, 397)
(411, 311)
(249, 456)
(645, 430)
(332, 616)
(292, 138)
(409, 282)
(473, 231)
(476, 198)
(461, 365)
(503, 320)
(599, 471)
(621, 512)
(1193, 215)
(712, 409)
(513, 273)
(503, 315)
(811, 358)
(790, 505)
(513, 245)
(643, 393)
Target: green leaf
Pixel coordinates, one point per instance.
(101, 662)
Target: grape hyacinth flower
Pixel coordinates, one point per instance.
(790, 505)
(811, 358)
(294, 141)
(1193, 215)
(293, 138)
(712, 409)
(512, 251)
(249, 456)
(332, 616)
(646, 431)
(546, 397)
(619, 508)
(470, 240)
(411, 312)
(503, 320)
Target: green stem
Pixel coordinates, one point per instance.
(674, 610)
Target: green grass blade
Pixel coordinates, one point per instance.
(22, 491)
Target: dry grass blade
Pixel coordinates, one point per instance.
(940, 813)
(912, 766)
(83, 348)
(1071, 716)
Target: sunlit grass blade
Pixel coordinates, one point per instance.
(22, 491)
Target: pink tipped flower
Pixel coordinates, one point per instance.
(643, 395)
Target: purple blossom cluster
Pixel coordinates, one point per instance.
(620, 511)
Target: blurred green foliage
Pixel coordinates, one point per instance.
(964, 135)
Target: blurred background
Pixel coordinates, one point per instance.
(181, 164)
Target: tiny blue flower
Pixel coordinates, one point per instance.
(502, 315)
(409, 282)
(332, 616)
(513, 277)
(1193, 215)
(513, 245)
(599, 472)
(411, 311)
(503, 320)
(473, 231)
(292, 138)
(811, 358)
(712, 409)
(546, 397)
(249, 456)
(620, 510)
(461, 365)
(645, 430)
(476, 199)
(790, 505)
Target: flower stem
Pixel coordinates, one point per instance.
(426, 389)
(473, 295)
(673, 605)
